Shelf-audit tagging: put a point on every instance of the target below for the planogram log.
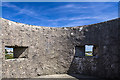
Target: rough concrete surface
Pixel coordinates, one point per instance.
(49, 50)
(0, 50)
(59, 77)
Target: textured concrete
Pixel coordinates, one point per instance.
(56, 76)
(75, 76)
(0, 50)
(52, 50)
(59, 77)
(71, 77)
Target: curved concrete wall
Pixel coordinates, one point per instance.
(52, 50)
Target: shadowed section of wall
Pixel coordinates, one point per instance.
(106, 62)
(52, 50)
(119, 42)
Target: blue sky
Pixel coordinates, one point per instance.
(59, 14)
(89, 47)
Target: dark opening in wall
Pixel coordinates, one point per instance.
(87, 50)
(79, 51)
(12, 52)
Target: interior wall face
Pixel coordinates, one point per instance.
(52, 50)
(0, 50)
(106, 62)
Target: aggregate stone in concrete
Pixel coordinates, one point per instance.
(52, 50)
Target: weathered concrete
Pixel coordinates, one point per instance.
(52, 50)
(58, 77)
(66, 76)
(106, 63)
(0, 50)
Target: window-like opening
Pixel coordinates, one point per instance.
(89, 50)
(8, 53)
(12, 52)
(79, 51)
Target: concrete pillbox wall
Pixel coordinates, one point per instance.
(52, 50)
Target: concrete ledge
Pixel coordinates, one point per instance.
(58, 77)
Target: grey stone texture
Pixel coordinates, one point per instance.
(0, 50)
(52, 50)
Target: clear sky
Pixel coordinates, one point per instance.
(89, 47)
(59, 14)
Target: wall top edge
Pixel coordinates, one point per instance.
(3, 19)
